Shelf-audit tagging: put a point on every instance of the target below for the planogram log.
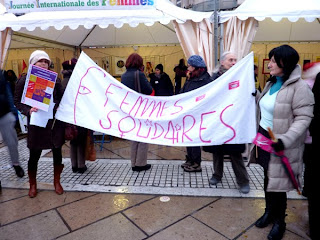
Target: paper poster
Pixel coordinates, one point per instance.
(119, 65)
(39, 87)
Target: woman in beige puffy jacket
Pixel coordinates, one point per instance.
(286, 106)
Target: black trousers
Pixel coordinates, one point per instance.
(195, 154)
(35, 156)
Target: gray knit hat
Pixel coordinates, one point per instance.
(196, 61)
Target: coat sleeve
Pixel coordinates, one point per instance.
(13, 108)
(152, 81)
(302, 109)
(23, 108)
(169, 85)
(146, 87)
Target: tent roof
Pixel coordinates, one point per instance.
(98, 28)
(280, 20)
(164, 12)
(158, 34)
(275, 9)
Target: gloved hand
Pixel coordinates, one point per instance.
(278, 146)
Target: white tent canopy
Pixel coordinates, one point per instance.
(158, 34)
(280, 20)
(105, 27)
(102, 28)
(275, 9)
(241, 25)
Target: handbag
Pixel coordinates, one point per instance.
(225, 148)
(90, 151)
(70, 132)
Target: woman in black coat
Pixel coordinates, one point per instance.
(314, 166)
(181, 71)
(139, 150)
(161, 82)
(39, 138)
(198, 76)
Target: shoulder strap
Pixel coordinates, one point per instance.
(137, 81)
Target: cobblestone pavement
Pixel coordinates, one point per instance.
(110, 202)
(115, 175)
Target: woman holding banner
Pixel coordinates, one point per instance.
(286, 107)
(39, 138)
(227, 61)
(135, 79)
(197, 77)
(78, 144)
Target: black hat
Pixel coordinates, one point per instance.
(160, 67)
(70, 64)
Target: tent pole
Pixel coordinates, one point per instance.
(87, 36)
(221, 39)
(215, 33)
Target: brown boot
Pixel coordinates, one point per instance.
(33, 183)
(57, 170)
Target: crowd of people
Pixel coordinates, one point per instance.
(287, 105)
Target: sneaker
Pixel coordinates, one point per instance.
(19, 171)
(245, 188)
(141, 168)
(193, 168)
(75, 169)
(188, 162)
(214, 180)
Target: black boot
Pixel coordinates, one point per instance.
(267, 217)
(19, 171)
(280, 206)
(277, 231)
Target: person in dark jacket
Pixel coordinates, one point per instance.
(198, 76)
(78, 144)
(313, 163)
(11, 77)
(180, 72)
(7, 123)
(235, 151)
(139, 150)
(39, 138)
(161, 82)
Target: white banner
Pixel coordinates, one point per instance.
(222, 112)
